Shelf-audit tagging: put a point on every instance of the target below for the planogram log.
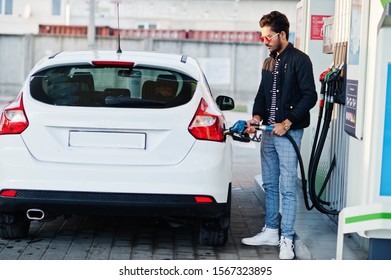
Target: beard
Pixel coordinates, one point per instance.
(276, 49)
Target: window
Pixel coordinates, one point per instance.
(138, 87)
(56, 7)
(146, 26)
(6, 7)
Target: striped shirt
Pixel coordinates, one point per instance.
(272, 116)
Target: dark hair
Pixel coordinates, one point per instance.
(277, 21)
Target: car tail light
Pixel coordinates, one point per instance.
(205, 125)
(203, 199)
(8, 193)
(13, 119)
(106, 63)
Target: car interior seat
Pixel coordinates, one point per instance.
(149, 90)
(166, 87)
(86, 91)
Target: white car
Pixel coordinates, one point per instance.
(131, 133)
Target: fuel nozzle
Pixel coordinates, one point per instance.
(238, 127)
(237, 131)
(334, 74)
(324, 73)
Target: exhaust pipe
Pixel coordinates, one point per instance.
(35, 214)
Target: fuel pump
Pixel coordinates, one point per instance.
(367, 210)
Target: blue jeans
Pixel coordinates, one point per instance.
(279, 175)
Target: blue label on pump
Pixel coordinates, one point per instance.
(385, 183)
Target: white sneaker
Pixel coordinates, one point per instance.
(286, 249)
(267, 236)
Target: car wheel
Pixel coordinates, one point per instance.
(13, 226)
(212, 235)
(215, 232)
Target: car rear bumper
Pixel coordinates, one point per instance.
(207, 169)
(124, 204)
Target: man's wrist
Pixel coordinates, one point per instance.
(286, 124)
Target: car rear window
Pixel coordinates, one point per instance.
(112, 86)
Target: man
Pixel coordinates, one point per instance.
(285, 97)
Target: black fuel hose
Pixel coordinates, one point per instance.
(302, 172)
(330, 79)
(315, 198)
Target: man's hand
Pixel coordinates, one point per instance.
(250, 125)
(281, 128)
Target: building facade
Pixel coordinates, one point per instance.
(25, 16)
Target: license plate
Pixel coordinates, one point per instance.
(119, 140)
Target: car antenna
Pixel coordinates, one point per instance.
(119, 37)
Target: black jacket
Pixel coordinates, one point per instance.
(296, 88)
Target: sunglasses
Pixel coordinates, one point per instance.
(267, 40)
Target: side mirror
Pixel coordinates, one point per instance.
(225, 102)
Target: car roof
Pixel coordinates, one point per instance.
(181, 63)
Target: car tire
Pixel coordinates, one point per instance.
(215, 232)
(212, 235)
(14, 226)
